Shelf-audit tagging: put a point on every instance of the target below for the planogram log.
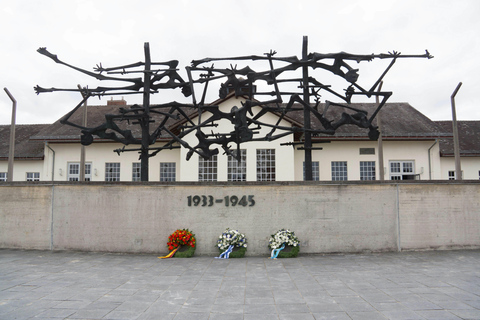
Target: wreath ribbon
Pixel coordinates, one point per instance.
(170, 254)
(225, 254)
(275, 252)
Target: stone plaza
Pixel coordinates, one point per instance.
(394, 285)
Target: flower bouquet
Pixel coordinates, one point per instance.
(284, 244)
(183, 242)
(236, 240)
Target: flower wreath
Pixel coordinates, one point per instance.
(182, 238)
(279, 240)
(235, 239)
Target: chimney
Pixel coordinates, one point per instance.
(112, 102)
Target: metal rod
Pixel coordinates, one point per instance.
(381, 172)
(306, 114)
(146, 121)
(82, 148)
(11, 150)
(456, 143)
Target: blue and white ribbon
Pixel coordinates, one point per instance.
(275, 252)
(225, 254)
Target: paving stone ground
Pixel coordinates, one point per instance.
(78, 285)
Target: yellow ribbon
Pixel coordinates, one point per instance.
(170, 254)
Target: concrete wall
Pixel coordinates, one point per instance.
(25, 216)
(439, 216)
(327, 217)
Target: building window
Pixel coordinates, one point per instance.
(265, 164)
(112, 171)
(207, 169)
(136, 171)
(33, 176)
(167, 171)
(88, 171)
(451, 175)
(367, 170)
(74, 171)
(339, 171)
(367, 150)
(402, 170)
(3, 176)
(315, 171)
(237, 171)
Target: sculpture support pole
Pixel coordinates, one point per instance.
(83, 148)
(146, 113)
(306, 113)
(381, 172)
(11, 152)
(456, 143)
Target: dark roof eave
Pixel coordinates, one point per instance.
(462, 154)
(388, 138)
(23, 158)
(70, 139)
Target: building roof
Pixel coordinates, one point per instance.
(400, 121)
(25, 149)
(59, 132)
(468, 136)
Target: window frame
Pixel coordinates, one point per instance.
(88, 171)
(208, 169)
(368, 171)
(236, 171)
(112, 176)
(266, 165)
(339, 170)
(451, 175)
(406, 170)
(168, 171)
(136, 171)
(34, 176)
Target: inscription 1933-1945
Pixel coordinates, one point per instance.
(209, 201)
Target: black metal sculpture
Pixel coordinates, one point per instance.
(245, 122)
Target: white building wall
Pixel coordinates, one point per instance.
(417, 151)
(349, 151)
(98, 154)
(470, 167)
(21, 167)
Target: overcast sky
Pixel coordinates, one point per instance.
(85, 33)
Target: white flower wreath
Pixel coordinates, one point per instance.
(231, 237)
(283, 236)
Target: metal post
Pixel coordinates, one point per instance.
(306, 114)
(83, 148)
(11, 150)
(146, 120)
(380, 138)
(456, 144)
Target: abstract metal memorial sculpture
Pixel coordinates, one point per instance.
(243, 81)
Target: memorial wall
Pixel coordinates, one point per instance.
(326, 217)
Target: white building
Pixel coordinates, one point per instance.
(414, 147)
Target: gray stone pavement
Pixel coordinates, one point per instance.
(78, 285)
